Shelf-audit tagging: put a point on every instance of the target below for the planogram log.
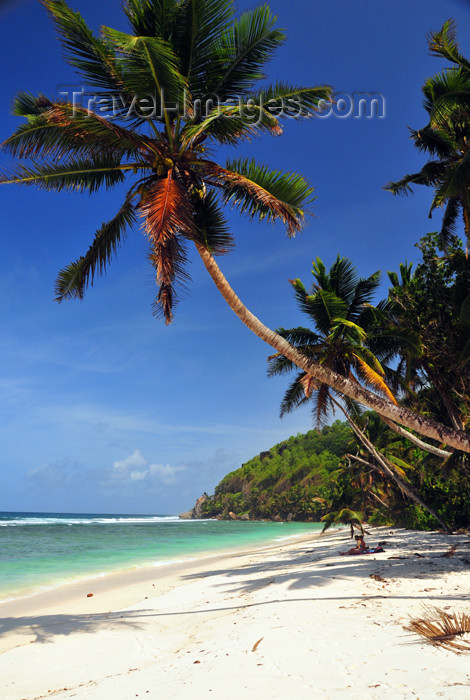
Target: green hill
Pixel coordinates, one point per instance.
(291, 480)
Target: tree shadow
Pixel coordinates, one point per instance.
(313, 568)
(45, 627)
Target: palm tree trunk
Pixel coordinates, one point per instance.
(399, 414)
(388, 467)
(449, 404)
(415, 440)
(406, 490)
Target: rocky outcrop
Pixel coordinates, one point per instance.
(196, 513)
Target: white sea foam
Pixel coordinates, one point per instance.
(100, 520)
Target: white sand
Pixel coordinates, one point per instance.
(291, 622)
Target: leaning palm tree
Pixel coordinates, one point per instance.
(163, 96)
(446, 138)
(339, 307)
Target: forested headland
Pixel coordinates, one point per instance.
(314, 476)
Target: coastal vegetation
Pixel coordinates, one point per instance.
(179, 52)
(325, 476)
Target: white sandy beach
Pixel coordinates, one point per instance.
(294, 620)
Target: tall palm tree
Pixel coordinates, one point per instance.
(179, 53)
(446, 137)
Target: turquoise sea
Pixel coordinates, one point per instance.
(43, 550)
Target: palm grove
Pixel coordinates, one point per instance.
(356, 355)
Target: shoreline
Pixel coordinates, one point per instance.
(92, 570)
(265, 622)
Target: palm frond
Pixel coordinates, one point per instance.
(74, 279)
(78, 174)
(167, 215)
(257, 191)
(444, 43)
(152, 17)
(212, 227)
(285, 100)
(294, 396)
(200, 24)
(240, 54)
(27, 105)
(433, 141)
(323, 307)
(454, 183)
(441, 629)
(229, 124)
(342, 279)
(63, 128)
(300, 337)
(92, 56)
(373, 378)
(428, 175)
(345, 516)
(151, 67)
(449, 222)
(321, 404)
(363, 295)
(445, 93)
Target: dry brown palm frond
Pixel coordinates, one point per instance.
(166, 210)
(167, 213)
(441, 629)
(309, 383)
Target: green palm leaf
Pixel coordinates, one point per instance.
(294, 396)
(454, 183)
(155, 18)
(93, 57)
(433, 141)
(199, 25)
(324, 307)
(266, 194)
(285, 100)
(151, 67)
(444, 43)
(213, 231)
(62, 128)
(363, 295)
(74, 279)
(229, 124)
(242, 52)
(77, 174)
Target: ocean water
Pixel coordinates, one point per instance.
(43, 550)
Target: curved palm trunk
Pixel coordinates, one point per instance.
(388, 468)
(415, 440)
(406, 490)
(398, 414)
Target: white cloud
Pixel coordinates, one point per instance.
(138, 476)
(134, 461)
(135, 468)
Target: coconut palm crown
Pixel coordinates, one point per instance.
(446, 137)
(344, 320)
(181, 82)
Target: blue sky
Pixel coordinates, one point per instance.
(104, 408)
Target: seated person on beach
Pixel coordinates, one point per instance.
(360, 547)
